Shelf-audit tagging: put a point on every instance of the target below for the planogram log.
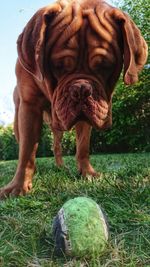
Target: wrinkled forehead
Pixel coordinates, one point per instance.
(95, 24)
(98, 35)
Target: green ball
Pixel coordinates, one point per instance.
(80, 228)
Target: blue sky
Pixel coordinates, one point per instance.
(13, 16)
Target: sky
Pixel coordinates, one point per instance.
(13, 17)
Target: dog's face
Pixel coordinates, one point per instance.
(83, 69)
(81, 48)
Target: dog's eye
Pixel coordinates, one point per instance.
(58, 65)
(100, 62)
(103, 66)
(69, 63)
(66, 64)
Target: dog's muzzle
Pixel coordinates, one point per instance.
(80, 90)
(79, 99)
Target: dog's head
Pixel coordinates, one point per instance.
(78, 49)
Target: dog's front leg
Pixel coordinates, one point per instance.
(83, 133)
(58, 135)
(29, 126)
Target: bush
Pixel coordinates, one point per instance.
(8, 144)
(68, 143)
(46, 142)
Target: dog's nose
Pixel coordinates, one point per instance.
(86, 90)
(80, 92)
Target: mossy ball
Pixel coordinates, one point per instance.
(80, 228)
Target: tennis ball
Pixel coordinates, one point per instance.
(80, 228)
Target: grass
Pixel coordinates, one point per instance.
(123, 191)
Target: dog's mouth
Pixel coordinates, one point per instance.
(79, 99)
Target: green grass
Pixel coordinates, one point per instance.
(123, 191)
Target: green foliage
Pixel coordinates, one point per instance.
(46, 142)
(68, 143)
(8, 144)
(122, 190)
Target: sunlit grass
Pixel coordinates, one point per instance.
(123, 190)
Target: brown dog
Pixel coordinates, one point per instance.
(70, 56)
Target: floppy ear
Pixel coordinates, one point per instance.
(31, 42)
(135, 47)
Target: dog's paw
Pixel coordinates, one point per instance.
(87, 171)
(14, 189)
(90, 176)
(94, 176)
(59, 162)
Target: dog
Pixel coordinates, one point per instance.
(70, 56)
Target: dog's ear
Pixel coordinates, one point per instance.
(135, 47)
(31, 42)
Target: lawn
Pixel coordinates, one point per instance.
(123, 190)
